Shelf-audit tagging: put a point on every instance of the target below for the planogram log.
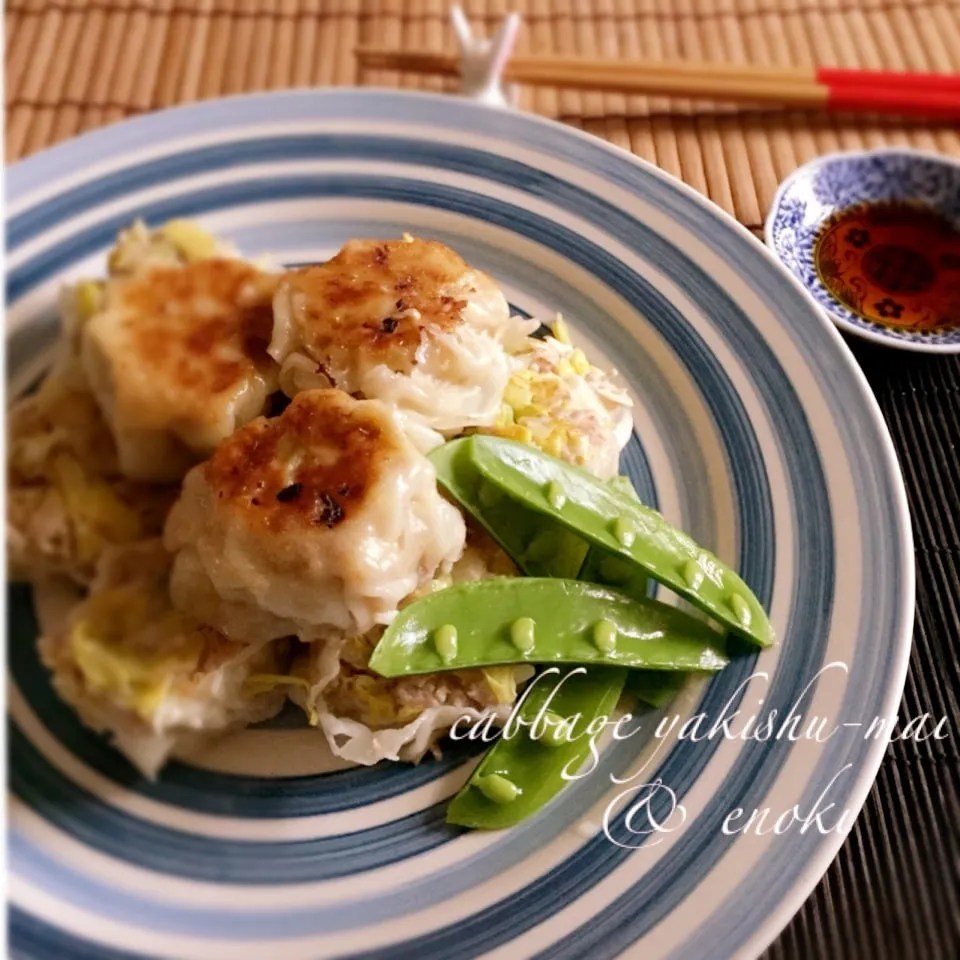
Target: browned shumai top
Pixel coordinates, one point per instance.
(200, 328)
(339, 445)
(361, 302)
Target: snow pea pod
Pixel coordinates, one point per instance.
(530, 770)
(537, 545)
(542, 620)
(611, 519)
(656, 688)
(521, 772)
(605, 567)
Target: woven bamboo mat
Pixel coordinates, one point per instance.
(73, 65)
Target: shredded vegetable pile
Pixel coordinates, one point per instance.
(319, 484)
(557, 401)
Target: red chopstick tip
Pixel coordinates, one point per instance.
(907, 101)
(889, 80)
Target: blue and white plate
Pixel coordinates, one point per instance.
(816, 191)
(755, 432)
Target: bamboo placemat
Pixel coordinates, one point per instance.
(73, 65)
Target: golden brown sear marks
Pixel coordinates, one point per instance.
(200, 329)
(312, 465)
(375, 298)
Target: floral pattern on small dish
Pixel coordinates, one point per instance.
(811, 195)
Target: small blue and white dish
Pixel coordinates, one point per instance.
(896, 278)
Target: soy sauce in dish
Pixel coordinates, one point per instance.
(893, 263)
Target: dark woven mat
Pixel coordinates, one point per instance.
(893, 893)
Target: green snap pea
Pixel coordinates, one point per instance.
(497, 788)
(613, 571)
(445, 640)
(602, 566)
(624, 485)
(573, 622)
(539, 547)
(556, 729)
(535, 766)
(610, 518)
(605, 636)
(656, 688)
(522, 632)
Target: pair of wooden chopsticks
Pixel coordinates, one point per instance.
(918, 94)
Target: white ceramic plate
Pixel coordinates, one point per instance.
(755, 432)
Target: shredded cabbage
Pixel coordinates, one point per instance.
(88, 298)
(133, 677)
(557, 401)
(190, 240)
(261, 682)
(175, 242)
(503, 682)
(99, 516)
(358, 743)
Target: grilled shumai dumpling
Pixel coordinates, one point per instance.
(152, 677)
(408, 322)
(177, 359)
(67, 498)
(367, 718)
(322, 519)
